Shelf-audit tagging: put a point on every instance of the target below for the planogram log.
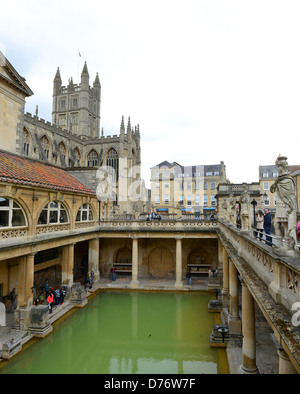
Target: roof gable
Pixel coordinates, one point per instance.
(9, 75)
(29, 172)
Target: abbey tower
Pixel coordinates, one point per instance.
(76, 108)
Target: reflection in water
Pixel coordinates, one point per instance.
(119, 333)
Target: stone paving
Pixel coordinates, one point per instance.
(267, 358)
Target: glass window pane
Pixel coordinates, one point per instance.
(43, 217)
(53, 204)
(4, 202)
(84, 215)
(4, 218)
(91, 216)
(53, 217)
(18, 218)
(78, 216)
(63, 216)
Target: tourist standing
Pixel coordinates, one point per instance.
(260, 224)
(113, 273)
(46, 287)
(62, 295)
(50, 300)
(189, 278)
(57, 295)
(13, 300)
(267, 226)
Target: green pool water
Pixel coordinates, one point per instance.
(128, 333)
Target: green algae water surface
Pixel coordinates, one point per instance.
(128, 333)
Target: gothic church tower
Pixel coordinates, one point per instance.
(76, 108)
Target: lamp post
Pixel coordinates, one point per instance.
(254, 203)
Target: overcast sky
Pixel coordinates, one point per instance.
(207, 81)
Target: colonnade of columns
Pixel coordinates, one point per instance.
(26, 270)
(135, 254)
(245, 325)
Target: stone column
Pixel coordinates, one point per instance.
(249, 338)
(234, 321)
(285, 365)
(21, 281)
(225, 291)
(94, 258)
(67, 264)
(178, 283)
(29, 279)
(135, 253)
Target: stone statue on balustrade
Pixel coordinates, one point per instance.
(245, 208)
(232, 209)
(225, 211)
(286, 206)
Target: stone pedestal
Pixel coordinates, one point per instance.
(39, 324)
(215, 306)
(2, 315)
(78, 296)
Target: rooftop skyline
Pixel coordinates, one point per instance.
(206, 81)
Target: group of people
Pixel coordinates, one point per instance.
(263, 224)
(153, 216)
(51, 296)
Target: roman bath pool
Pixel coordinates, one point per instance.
(128, 333)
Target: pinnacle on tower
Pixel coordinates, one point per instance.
(128, 125)
(97, 81)
(122, 127)
(57, 77)
(85, 71)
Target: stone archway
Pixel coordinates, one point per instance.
(161, 263)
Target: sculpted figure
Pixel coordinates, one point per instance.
(232, 213)
(225, 206)
(245, 208)
(285, 216)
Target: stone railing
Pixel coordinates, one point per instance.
(13, 233)
(281, 275)
(52, 228)
(163, 225)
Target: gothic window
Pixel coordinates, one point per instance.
(113, 162)
(53, 213)
(45, 145)
(26, 140)
(77, 156)
(92, 160)
(85, 214)
(11, 214)
(62, 150)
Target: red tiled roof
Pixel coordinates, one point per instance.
(25, 171)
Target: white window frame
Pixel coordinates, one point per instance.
(11, 210)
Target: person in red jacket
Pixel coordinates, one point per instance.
(50, 299)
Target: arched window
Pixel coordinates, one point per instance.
(11, 214)
(62, 150)
(45, 145)
(26, 141)
(85, 214)
(113, 161)
(54, 212)
(77, 156)
(92, 160)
